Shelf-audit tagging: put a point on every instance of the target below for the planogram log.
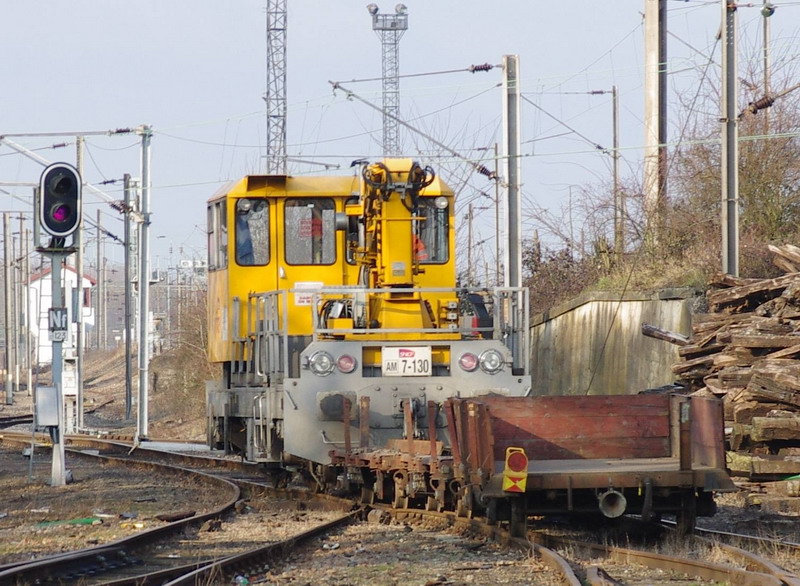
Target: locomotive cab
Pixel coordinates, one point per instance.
(333, 291)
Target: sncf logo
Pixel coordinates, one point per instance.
(403, 353)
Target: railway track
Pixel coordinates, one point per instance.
(159, 554)
(126, 561)
(12, 420)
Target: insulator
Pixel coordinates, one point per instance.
(484, 67)
(759, 104)
(762, 103)
(485, 171)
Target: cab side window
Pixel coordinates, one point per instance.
(217, 236)
(432, 241)
(252, 232)
(310, 231)
(353, 235)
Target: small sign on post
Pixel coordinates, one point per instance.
(58, 323)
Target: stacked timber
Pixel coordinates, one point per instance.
(746, 349)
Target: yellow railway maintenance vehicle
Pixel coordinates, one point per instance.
(351, 358)
(336, 317)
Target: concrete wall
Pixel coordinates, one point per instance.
(594, 344)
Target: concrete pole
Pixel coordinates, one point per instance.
(104, 302)
(497, 246)
(7, 307)
(511, 103)
(469, 246)
(512, 147)
(98, 295)
(144, 287)
(28, 336)
(619, 203)
(58, 474)
(662, 112)
(79, 342)
(128, 302)
(730, 143)
(655, 119)
(14, 315)
(22, 346)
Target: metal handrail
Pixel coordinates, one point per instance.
(268, 321)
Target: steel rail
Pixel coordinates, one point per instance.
(257, 559)
(768, 573)
(695, 568)
(55, 567)
(756, 561)
(752, 560)
(551, 558)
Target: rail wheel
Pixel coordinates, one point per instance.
(464, 504)
(462, 510)
(367, 496)
(518, 525)
(400, 501)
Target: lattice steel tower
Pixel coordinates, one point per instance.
(276, 87)
(390, 28)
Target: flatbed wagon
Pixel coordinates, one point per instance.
(644, 454)
(649, 455)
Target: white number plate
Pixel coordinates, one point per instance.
(406, 361)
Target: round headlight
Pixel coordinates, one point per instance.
(468, 361)
(346, 363)
(321, 363)
(491, 361)
(440, 202)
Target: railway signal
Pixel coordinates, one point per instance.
(60, 200)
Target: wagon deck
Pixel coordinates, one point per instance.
(643, 454)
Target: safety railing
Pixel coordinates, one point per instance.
(267, 322)
(505, 311)
(500, 313)
(260, 355)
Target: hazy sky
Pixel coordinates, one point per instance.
(195, 71)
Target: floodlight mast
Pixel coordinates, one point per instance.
(276, 87)
(390, 29)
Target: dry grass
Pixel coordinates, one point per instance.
(176, 394)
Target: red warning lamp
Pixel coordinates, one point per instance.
(515, 473)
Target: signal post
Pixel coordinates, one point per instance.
(58, 203)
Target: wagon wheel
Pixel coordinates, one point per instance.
(464, 503)
(461, 508)
(367, 496)
(518, 525)
(400, 501)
